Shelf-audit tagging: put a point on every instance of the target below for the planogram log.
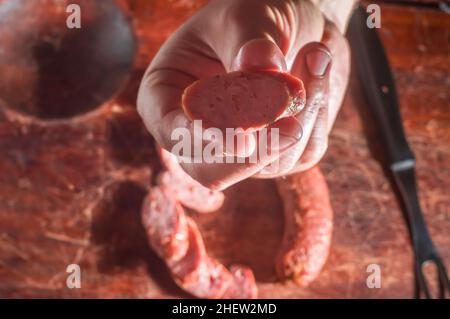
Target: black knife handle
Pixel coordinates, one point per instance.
(377, 81)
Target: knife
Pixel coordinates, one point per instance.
(379, 88)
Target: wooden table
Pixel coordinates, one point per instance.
(71, 189)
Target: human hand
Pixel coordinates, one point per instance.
(251, 34)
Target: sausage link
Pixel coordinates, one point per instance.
(243, 285)
(308, 226)
(166, 225)
(177, 239)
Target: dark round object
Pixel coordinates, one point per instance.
(51, 71)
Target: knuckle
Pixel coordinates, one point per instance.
(331, 31)
(236, 12)
(321, 153)
(282, 166)
(334, 40)
(314, 156)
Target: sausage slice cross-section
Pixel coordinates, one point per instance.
(247, 100)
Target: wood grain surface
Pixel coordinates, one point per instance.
(71, 188)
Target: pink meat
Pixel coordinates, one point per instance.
(177, 239)
(197, 273)
(166, 225)
(308, 226)
(244, 284)
(247, 100)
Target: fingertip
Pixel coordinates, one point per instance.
(318, 61)
(313, 61)
(260, 54)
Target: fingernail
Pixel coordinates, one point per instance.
(259, 54)
(317, 62)
(289, 133)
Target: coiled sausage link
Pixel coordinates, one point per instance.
(177, 239)
(308, 226)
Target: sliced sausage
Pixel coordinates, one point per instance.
(247, 100)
